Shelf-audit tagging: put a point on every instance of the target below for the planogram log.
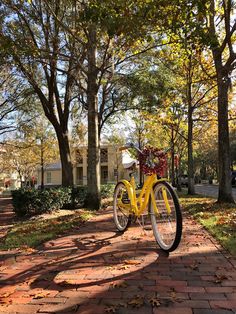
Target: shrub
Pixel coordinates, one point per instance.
(77, 197)
(107, 190)
(34, 202)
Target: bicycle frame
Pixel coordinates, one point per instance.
(139, 204)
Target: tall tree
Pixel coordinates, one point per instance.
(111, 40)
(33, 40)
(213, 26)
(15, 97)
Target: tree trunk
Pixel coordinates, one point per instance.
(93, 195)
(66, 165)
(172, 157)
(225, 188)
(42, 168)
(42, 171)
(191, 189)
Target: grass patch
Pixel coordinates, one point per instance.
(32, 233)
(218, 219)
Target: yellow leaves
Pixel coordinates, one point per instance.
(27, 250)
(40, 295)
(136, 238)
(122, 284)
(154, 301)
(136, 302)
(126, 264)
(123, 267)
(5, 295)
(132, 262)
(221, 221)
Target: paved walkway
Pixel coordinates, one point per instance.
(211, 190)
(95, 270)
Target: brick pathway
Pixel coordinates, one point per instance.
(6, 215)
(95, 270)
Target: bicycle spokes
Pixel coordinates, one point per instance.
(166, 222)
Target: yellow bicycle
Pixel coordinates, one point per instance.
(156, 195)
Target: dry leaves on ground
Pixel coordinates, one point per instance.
(122, 284)
(111, 309)
(137, 301)
(220, 278)
(132, 262)
(154, 301)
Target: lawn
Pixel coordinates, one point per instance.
(218, 219)
(33, 232)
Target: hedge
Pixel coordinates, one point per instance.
(30, 202)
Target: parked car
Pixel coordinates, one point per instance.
(183, 179)
(233, 177)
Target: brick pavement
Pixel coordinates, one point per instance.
(96, 270)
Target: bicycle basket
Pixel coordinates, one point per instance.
(152, 160)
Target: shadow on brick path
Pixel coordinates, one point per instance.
(94, 269)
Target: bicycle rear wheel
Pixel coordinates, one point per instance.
(121, 207)
(167, 219)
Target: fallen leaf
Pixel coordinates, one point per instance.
(194, 266)
(132, 262)
(123, 267)
(135, 238)
(154, 301)
(111, 309)
(136, 302)
(109, 267)
(120, 284)
(220, 278)
(173, 294)
(40, 295)
(5, 295)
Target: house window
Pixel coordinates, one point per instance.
(49, 177)
(79, 175)
(104, 155)
(104, 174)
(79, 157)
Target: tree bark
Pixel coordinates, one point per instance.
(223, 82)
(172, 157)
(191, 190)
(66, 165)
(42, 165)
(93, 195)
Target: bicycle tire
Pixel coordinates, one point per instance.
(164, 222)
(122, 217)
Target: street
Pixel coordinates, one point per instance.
(210, 190)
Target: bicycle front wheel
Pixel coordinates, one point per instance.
(166, 217)
(121, 207)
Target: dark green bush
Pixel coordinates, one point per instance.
(33, 202)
